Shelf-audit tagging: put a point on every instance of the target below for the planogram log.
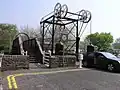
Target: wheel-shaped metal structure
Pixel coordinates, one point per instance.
(64, 10)
(64, 37)
(88, 18)
(62, 25)
(82, 15)
(57, 10)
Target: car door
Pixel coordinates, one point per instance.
(100, 59)
(91, 59)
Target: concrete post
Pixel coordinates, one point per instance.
(26, 53)
(43, 56)
(80, 60)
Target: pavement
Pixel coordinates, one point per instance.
(60, 79)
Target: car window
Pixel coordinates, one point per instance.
(108, 55)
(100, 56)
(91, 55)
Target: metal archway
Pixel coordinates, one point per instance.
(20, 34)
(17, 36)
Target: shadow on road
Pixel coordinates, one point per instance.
(103, 70)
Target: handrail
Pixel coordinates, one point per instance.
(38, 43)
(21, 46)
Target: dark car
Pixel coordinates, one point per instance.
(104, 60)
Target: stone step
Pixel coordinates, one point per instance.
(33, 60)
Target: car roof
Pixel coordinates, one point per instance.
(109, 55)
(103, 52)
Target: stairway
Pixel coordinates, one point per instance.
(32, 59)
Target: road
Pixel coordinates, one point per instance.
(84, 79)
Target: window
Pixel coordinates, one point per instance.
(108, 55)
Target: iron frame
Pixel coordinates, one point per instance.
(54, 21)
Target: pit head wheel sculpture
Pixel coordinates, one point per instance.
(84, 16)
(60, 11)
(88, 18)
(64, 10)
(57, 10)
(63, 18)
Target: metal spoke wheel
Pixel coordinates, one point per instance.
(57, 10)
(82, 15)
(64, 10)
(110, 67)
(64, 37)
(88, 18)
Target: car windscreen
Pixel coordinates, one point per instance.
(108, 55)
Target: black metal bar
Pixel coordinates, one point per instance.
(77, 43)
(81, 28)
(54, 23)
(43, 38)
(67, 48)
(69, 30)
(74, 13)
(46, 19)
(72, 45)
(70, 19)
(47, 29)
(53, 36)
(69, 23)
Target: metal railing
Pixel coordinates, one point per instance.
(46, 58)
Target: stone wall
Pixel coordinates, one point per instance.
(14, 62)
(62, 61)
(53, 61)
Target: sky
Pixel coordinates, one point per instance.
(105, 13)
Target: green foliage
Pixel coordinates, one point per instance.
(116, 45)
(7, 33)
(101, 40)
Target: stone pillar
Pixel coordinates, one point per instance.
(80, 60)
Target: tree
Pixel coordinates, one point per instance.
(101, 40)
(31, 32)
(7, 33)
(116, 45)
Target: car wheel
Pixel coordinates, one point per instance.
(110, 67)
(85, 64)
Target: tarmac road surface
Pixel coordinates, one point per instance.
(75, 79)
